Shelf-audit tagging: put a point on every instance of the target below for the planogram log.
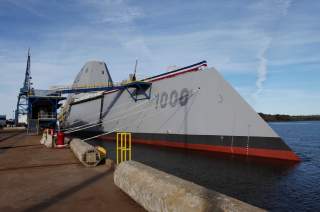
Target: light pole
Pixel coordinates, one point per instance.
(13, 118)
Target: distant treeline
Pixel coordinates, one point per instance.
(281, 117)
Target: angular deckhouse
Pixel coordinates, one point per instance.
(192, 107)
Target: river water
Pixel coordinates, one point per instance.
(267, 184)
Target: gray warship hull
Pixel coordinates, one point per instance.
(191, 108)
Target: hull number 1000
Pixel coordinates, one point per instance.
(172, 99)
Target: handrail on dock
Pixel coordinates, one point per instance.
(123, 140)
(97, 136)
(83, 127)
(46, 116)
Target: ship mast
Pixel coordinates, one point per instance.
(135, 71)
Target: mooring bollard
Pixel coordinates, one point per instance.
(87, 154)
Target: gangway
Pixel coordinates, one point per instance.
(138, 85)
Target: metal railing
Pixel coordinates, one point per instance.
(47, 116)
(33, 127)
(123, 146)
(80, 86)
(97, 136)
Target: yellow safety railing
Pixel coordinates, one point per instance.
(123, 146)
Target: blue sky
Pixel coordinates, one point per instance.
(268, 50)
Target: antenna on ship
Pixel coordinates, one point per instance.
(135, 71)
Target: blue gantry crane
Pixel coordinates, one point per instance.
(22, 104)
(39, 106)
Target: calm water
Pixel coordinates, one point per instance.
(271, 185)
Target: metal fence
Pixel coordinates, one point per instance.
(33, 127)
(47, 116)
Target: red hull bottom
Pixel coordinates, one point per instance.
(254, 152)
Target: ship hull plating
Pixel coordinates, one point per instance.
(192, 109)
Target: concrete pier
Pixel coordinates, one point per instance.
(35, 178)
(158, 191)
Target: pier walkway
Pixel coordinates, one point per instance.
(34, 178)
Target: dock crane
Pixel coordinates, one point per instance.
(22, 104)
(39, 106)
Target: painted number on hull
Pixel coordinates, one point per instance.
(173, 99)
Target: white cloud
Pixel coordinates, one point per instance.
(295, 61)
(282, 6)
(262, 68)
(113, 11)
(107, 30)
(27, 5)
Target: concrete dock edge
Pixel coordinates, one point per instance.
(158, 191)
